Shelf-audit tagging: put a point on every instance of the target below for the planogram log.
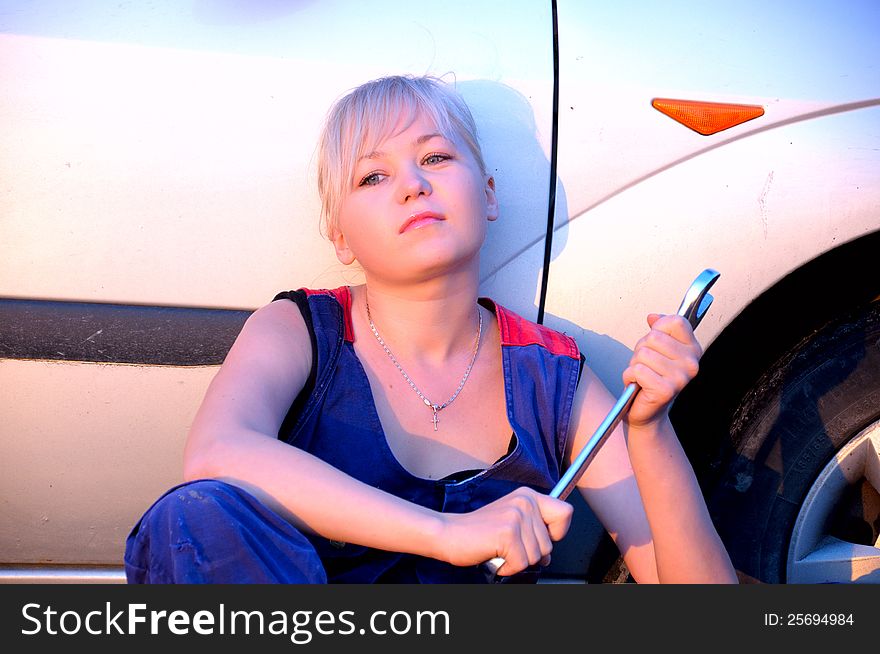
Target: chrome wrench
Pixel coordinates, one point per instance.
(693, 307)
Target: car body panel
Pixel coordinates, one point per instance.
(644, 204)
(162, 154)
(703, 217)
(92, 446)
(154, 144)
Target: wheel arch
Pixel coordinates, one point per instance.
(800, 303)
(720, 418)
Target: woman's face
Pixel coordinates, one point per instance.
(417, 206)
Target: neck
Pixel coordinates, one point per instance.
(435, 321)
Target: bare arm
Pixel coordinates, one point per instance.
(641, 484)
(234, 438)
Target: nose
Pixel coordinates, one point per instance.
(413, 183)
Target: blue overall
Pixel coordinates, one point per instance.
(209, 531)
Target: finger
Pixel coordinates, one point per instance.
(515, 558)
(683, 355)
(522, 539)
(535, 538)
(676, 326)
(654, 386)
(678, 372)
(666, 345)
(541, 539)
(556, 515)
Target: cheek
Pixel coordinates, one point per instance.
(468, 193)
(362, 232)
(352, 218)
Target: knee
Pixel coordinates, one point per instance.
(172, 529)
(211, 530)
(202, 494)
(200, 500)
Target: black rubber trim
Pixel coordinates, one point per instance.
(116, 333)
(554, 138)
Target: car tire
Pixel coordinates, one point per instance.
(790, 438)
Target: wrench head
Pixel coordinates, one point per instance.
(697, 299)
(703, 308)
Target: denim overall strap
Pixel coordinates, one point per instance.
(541, 371)
(327, 316)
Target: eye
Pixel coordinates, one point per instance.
(436, 158)
(371, 179)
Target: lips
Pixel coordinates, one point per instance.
(419, 220)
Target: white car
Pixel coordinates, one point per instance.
(157, 185)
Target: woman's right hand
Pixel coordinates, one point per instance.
(519, 527)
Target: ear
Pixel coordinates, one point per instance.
(491, 199)
(343, 252)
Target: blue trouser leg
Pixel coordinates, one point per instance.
(208, 531)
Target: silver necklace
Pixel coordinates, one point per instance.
(435, 408)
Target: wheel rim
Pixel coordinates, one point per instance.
(830, 542)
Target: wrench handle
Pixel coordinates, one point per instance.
(693, 307)
(569, 480)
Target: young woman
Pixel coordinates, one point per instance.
(407, 430)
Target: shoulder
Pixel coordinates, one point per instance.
(277, 318)
(287, 324)
(275, 334)
(517, 331)
(319, 305)
(301, 304)
(264, 370)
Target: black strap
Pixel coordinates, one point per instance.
(301, 300)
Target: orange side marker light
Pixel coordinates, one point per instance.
(707, 117)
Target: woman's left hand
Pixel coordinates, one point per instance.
(663, 362)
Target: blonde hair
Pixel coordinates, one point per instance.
(363, 118)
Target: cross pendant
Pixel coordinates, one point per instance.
(435, 417)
